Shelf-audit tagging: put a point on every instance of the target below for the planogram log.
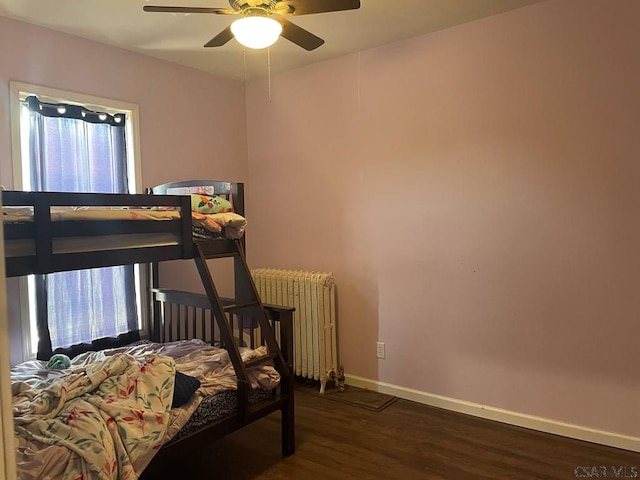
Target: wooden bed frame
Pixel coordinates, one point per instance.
(175, 315)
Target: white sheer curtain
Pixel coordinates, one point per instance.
(73, 149)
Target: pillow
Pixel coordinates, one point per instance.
(185, 387)
(206, 204)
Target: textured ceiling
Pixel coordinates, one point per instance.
(179, 38)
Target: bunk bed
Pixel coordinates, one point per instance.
(47, 232)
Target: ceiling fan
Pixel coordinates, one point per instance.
(262, 22)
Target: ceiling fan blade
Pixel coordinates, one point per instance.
(307, 7)
(299, 35)
(220, 11)
(223, 37)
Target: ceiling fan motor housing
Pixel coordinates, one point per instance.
(244, 4)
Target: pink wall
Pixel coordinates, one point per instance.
(475, 191)
(192, 124)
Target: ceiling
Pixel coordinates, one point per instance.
(179, 38)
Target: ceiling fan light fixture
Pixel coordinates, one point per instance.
(256, 31)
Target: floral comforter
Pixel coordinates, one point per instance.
(104, 421)
(108, 414)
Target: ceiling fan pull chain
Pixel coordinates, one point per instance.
(244, 64)
(269, 71)
(359, 64)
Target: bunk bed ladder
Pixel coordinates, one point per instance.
(247, 302)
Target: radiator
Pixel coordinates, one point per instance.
(312, 294)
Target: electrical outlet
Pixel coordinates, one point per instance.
(380, 350)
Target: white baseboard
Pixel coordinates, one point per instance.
(500, 415)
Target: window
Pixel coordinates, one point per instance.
(69, 142)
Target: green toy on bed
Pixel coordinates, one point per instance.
(59, 361)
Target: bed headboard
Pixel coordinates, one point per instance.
(232, 191)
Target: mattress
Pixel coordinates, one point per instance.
(216, 407)
(61, 214)
(218, 226)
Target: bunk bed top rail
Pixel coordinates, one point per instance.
(36, 243)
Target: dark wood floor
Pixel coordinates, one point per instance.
(405, 441)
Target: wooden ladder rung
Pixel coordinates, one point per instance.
(235, 307)
(217, 249)
(260, 359)
(212, 256)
